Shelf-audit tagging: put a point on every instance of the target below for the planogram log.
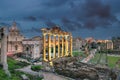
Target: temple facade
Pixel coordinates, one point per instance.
(56, 43)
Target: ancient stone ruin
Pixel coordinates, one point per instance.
(72, 67)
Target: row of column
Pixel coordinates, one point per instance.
(64, 47)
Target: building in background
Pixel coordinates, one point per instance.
(77, 44)
(31, 48)
(14, 40)
(105, 44)
(116, 44)
(17, 43)
(109, 44)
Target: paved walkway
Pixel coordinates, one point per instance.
(92, 54)
(47, 75)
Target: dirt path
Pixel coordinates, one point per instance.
(92, 54)
(47, 75)
(51, 76)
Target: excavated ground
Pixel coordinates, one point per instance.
(72, 67)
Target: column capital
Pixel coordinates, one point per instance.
(54, 35)
(66, 35)
(49, 33)
(44, 34)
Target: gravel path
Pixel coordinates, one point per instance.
(51, 76)
(47, 75)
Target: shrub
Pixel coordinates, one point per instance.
(36, 67)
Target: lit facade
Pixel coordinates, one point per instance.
(56, 43)
(108, 44)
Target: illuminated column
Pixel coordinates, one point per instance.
(71, 46)
(62, 45)
(112, 45)
(44, 47)
(49, 46)
(54, 46)
(66, 46)
(58, 45)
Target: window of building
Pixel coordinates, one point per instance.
(16, 47)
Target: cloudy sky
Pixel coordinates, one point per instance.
(85, 18)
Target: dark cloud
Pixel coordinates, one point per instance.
(97, 8)
(98, 14)
(91, 14)
(55, 3)
(86, 14)
(50, 23)
(71, 15)
(4, 24)
(34, 29)
(31, 30)
(30, 18)
(70, 25)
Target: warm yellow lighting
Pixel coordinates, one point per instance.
(60, 39)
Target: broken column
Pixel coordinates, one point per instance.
(4, 50)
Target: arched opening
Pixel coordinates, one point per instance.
(27, 48)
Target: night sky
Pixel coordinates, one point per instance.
(84, 18)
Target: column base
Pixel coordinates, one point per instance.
(45, 60)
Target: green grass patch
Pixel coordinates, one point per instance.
(95, 59)
(15, 75)
(112, 61)
(13, 64)
(78, 53)
(36, 67)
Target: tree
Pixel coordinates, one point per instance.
(93, 45)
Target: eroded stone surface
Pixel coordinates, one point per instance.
(72, 67)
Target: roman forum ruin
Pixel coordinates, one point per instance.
(56, 43)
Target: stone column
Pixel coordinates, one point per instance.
(71, 46)
(112, 45)
(4, 52)
(66, 46)
(49, 47)
(54, 46)
(62, 45)
(58, 45)
(44, 47)
(4, 48)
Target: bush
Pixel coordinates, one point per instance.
(22, 64)
(13, 64)
(36, 68)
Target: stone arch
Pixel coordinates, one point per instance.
(27, 48)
